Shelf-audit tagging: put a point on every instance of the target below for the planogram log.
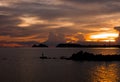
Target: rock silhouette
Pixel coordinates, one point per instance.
(67, 45)
(39, 45)
(85, 56)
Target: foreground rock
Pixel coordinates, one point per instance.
(85, 56)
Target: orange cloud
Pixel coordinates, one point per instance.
(22, 39)
(74, 38)
(10, 45)
(71, 39)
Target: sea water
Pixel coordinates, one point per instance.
(24, 65)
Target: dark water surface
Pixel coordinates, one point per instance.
(24, 65)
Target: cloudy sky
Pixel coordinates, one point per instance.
(23, 22)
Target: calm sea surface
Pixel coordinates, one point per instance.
(24, 65)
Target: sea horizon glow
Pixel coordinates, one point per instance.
(104, 37)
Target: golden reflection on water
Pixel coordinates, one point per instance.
(105, 73)
(106, 51)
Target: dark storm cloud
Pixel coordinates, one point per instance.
(44, 11)
(21, 32)
(8, 25)
(63, 10)
(97, 6)
(8, 20)
(49, 11)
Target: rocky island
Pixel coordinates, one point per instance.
(39, 45)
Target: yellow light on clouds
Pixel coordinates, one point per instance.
(28, 21)
(104, 37)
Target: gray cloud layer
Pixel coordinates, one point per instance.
(84, 14)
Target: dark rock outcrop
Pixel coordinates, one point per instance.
(68, 45)
(40, 45)
(85, 56)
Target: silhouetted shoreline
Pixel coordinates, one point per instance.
(75, 45)
(86, 56)
(72, 45)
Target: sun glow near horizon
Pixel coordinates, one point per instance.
(102, 37)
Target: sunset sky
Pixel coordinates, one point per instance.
(24, 22)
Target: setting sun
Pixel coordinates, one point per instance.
(103, 37)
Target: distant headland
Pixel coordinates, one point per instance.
(75, 45)
(67, 45)
(40, 45)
